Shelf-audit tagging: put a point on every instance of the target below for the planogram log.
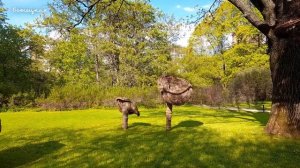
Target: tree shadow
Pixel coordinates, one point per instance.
(261, 117)
(139, 124)
(18, 156)
(201, 147)
(188, 123)
(152, 146)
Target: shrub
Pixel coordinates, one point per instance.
(83, 96)
(213, 95)
(251, 85)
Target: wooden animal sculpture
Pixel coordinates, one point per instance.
(174, 91)
(126, 107)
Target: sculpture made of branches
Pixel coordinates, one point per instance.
(174, 91)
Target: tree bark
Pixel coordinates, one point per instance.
(97, 67)
(281, 25)
(168, 116)
(284, 50)
(285, 71)
(115, 68)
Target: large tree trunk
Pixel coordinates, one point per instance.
(285, 69)
(284, 50)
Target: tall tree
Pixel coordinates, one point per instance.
(69, 59)
(2, 13)
(281, 25)
(124, 38)
(228, 35)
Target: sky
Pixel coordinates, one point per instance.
(20, 12)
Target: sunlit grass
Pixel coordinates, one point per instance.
(94, 138)
(255, 105)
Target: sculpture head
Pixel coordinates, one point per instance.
(126, 106)
(137, 113)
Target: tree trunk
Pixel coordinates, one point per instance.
(285, 71)
(97, 67)
(125, 121)
(168, 116)
(281, 25)
(115, 68)
(284, 50)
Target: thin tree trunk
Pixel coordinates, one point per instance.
(168, 116)
(115, 68)
(285, 70)
(97, 67)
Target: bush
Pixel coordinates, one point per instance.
(251, 86)
(213, 95)
(80, 96)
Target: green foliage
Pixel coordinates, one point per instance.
(15, 66)
(201, 71)
(93, 138)
(21, 72)
(243, 56)
(234, 46)
(213, 32)
(69, 61)
(121, 48)
(87, 96)
(120, 45)
(2, 14)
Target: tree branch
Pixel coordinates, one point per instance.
(116, 15)
(203, 12)
(269, 12)
(89, 9)
(82, 3)
(251, 16)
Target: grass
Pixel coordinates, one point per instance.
(93, 138)
(256, 105)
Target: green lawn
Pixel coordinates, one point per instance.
(93, 138)
(256, 105)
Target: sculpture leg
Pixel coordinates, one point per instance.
(168, 116)
(125, 121)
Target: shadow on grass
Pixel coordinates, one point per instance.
(262, 118)
(18, 156)
(202, 147)
(188, 123)
(139, 124)
(151, 146)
